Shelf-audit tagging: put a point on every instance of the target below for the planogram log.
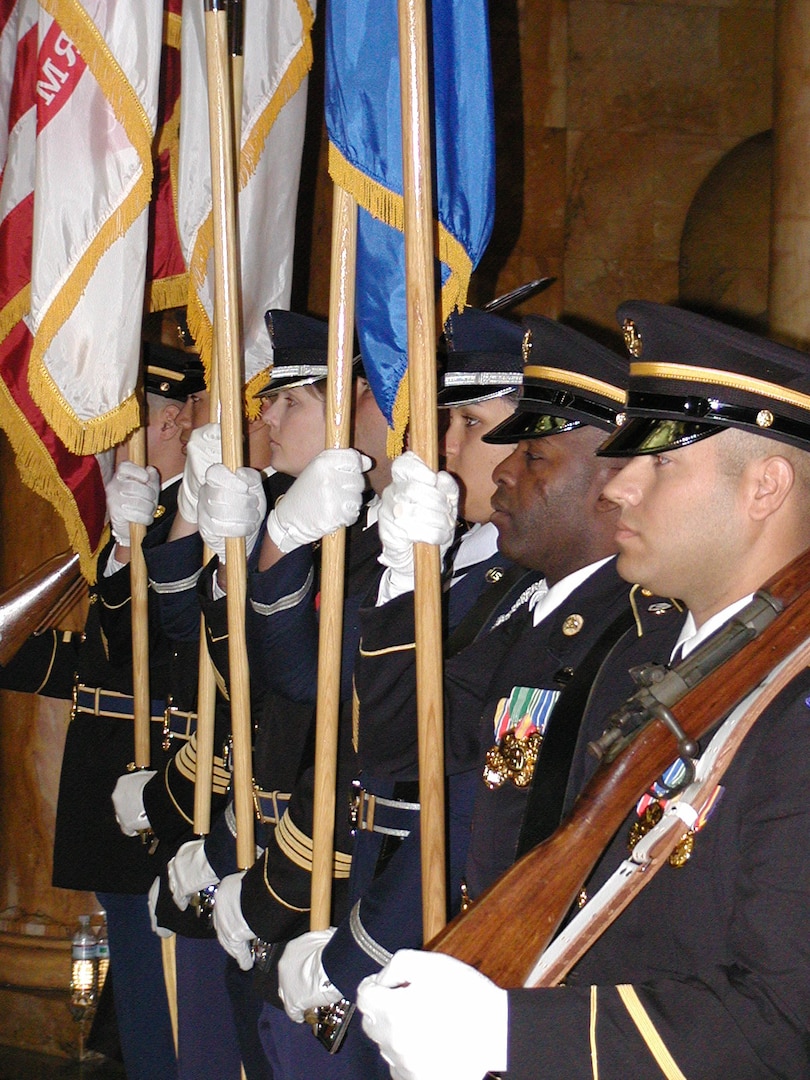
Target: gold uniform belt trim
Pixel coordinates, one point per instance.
(270, 805)
(97, 701)
(655, 1044)
(689, 373)
(573, 380)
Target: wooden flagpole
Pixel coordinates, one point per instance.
(333, 561)
(206, 684)
(419, 276)
(139, 584)
(229, 361)
(206, 688)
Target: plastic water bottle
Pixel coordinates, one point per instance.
(102, 955)
(83, 972)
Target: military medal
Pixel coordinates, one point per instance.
(650, 810)
(513, 759)
(520, 721)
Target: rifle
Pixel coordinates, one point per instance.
(666, 716)
(37, 601)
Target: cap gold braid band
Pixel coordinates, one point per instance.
(573, 380)
(689, 373)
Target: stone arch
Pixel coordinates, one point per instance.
(725, 242)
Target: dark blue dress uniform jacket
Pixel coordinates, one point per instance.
(715, 953)
(284, 641)
(185, 589)
(275, 892)
(387, 915)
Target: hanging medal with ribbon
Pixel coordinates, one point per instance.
(520, 721)
(651, 806)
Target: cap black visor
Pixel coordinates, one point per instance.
(654, 435)
(529, 425)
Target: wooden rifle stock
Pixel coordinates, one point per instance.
(31, 605)
(508, 927)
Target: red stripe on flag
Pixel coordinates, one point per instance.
(23, 92)
(60, 68)
(16, 240)
(81, 474)
(165, 256)
(6, 11)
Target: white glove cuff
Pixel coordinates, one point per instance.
(152, 899)
(189, 871)
(495, 1033)
(186, 505)
(280, 535)
(127, 800)
(394, 583)
(120, 533)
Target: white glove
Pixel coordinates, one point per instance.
(418, 1009)
(190, 871)
(151, 903)
(203, 449)
(302, 982)
(230, 504)
(132, 496)
(127, 800)
(233, 932)
(327, 495)
(418, 506)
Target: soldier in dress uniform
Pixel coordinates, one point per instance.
(95, 669)
(478, 389)
(706, 972)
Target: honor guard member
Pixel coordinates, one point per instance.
(282, 586)
(175, 573)
(207, 1037)
(95, 669)
(478, 389)
(705, 973)
(502, 689)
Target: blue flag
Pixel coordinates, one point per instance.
(363, 119)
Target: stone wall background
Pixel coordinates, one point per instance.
(611, 118)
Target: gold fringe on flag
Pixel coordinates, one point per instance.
(388, 206)
(253, 405)
(39, 473)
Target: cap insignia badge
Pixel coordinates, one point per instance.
(632, 338)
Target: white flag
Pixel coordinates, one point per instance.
(277, 59)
